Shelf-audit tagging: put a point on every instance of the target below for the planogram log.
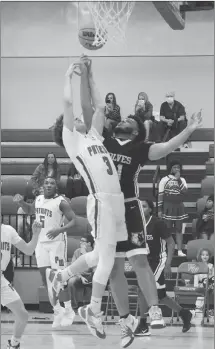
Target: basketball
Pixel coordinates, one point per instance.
(86, 37)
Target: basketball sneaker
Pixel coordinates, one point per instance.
(93, 321)
(58, 316)
(128, 327)
(156, 317)
(68, 317)
(9, 346)
(142, 329)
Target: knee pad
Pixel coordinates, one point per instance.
(161, 293)
(92, 258)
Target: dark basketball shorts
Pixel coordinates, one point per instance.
(136, 227)
(158, 271)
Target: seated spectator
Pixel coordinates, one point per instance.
(205, 223)
(78, 282)
(112, 111)
(75, 185)
(204, 256)
(50, 168)
(170, 201)
(144, 109)
(172, 116)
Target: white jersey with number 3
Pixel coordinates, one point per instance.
(92, 161)
(9, 237)
(49, 214)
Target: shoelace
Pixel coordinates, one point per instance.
(123, 328)
(156, 314)
(97, 319)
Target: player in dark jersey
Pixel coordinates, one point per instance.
(129, 153)
(161, 246)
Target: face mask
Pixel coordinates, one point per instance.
(170, 100)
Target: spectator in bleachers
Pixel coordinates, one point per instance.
(49, 168)
(205, 223)
(172, 189)
(204, 256)
(172, 116)
(144, 109)
(75, 185)
(77, 283)
(112, 111)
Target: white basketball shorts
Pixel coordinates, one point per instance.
(106, 215)
(8, 293)
(52, 254)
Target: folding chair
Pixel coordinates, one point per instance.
(184, 292)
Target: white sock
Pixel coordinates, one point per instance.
(57, 306)
(67, 305)
(95, 305)
(14, 341)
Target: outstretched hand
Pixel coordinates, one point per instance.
(74, 68)
(195, 120)
(87, 62)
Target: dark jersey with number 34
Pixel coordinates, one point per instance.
(128, 157)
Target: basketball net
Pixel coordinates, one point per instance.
(110, 19)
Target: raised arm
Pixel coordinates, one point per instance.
(29, 248)
(27, 208)
(85, 96)
(98, 104)
(68, 97)
(160, 150)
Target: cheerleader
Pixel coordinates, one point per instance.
(172, 189)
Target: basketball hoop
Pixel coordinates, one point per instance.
(110, 19)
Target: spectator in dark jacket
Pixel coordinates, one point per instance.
(172, 116)
(112, 111)
(144, 109)
(205, 223)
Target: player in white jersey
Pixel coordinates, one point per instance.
(9, 296)
(105, 204)
(51, 250)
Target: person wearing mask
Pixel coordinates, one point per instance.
(144, 109)
(172, 116)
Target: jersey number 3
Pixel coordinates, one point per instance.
(108, 164)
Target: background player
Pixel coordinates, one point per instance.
(9, 296)
(51, 250)
(161, 246)
(129, 153)
(105, 203)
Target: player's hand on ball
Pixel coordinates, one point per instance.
(195, 121)
(36, 227)
(74, 68)
(18, 199)
(52, 233)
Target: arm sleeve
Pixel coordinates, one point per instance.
(15, 238)
(181, 110)
(149, 111)
(35, 177)
(161, 192)
(162, 111)
(71, 141)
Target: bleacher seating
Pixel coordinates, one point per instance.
(23, 150)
